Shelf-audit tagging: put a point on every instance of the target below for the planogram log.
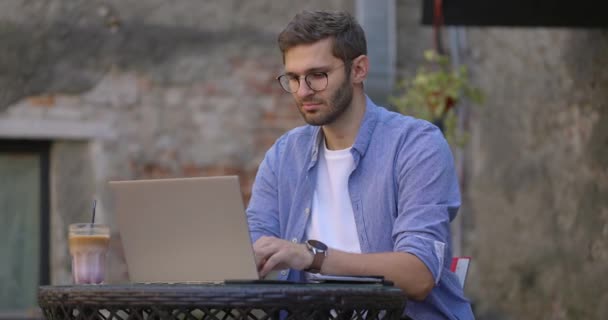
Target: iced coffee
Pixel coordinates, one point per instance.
(88, 247)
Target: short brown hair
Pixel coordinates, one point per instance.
(308, 27)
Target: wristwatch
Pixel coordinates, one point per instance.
(319, 252)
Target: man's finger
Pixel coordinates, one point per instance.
(267, 266)
(259, 265)
(273, 262)
(261, 256)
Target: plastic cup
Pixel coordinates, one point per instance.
(88, 247)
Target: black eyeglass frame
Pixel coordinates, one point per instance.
(288, 77)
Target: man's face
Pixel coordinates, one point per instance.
(319, 108)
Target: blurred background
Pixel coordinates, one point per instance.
(92, 91)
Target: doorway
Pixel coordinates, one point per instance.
(24, 225)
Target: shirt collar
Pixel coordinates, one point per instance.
(364, 135)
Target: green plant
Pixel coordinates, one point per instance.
(434, 92)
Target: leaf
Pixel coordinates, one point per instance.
(427, 94)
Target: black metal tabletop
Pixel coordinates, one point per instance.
(222, 301)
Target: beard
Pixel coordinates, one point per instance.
(339, 102)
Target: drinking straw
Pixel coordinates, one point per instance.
(94, 205)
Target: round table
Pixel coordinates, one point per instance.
(222, 301)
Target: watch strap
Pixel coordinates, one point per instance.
(317, 262)
(318, 256)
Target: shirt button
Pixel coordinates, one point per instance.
(307, 211)
(294, 240)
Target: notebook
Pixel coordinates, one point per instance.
(184, 230)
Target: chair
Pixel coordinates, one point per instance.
(460, 266)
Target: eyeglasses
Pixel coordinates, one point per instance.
(316, 81)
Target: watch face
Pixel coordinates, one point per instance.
(317, 245)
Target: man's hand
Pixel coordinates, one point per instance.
(275, 254)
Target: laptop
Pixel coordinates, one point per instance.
(184, 230)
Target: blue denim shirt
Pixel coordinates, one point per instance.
(404, 193)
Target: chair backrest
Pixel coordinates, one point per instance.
(460, 266)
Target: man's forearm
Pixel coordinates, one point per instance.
(407, 271)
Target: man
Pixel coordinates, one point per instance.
(360, 190)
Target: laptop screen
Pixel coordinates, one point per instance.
(184, 230)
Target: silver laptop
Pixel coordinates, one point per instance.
(184, 230)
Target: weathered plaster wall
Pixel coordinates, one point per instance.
(539, 173)
(164, 89)
(535, 171)
(71, 191)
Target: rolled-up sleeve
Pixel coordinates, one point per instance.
(428, 198)
(263, 209)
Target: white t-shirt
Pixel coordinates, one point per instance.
(332, 220)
